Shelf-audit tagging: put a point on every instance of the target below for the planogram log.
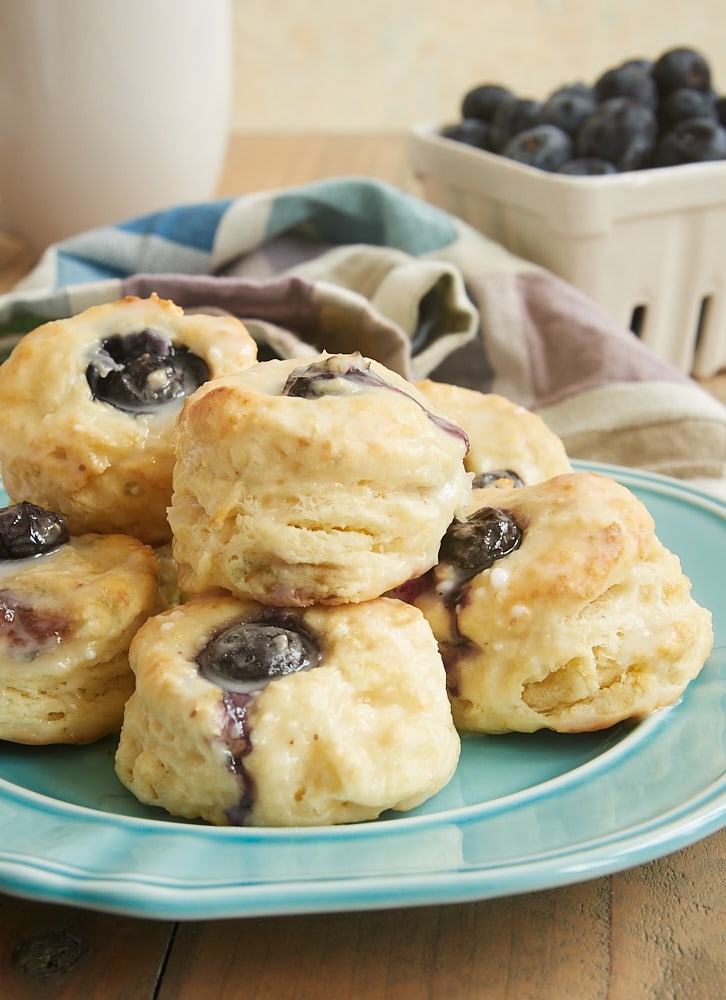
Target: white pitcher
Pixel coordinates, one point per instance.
(109, 109)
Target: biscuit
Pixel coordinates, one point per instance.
(67, 617)
(360, 724)
(326, 482)
(503, 437)
(582, 618)
(65, 442)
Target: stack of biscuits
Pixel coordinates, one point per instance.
(357, 569)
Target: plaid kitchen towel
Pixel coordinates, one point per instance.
(355, 264)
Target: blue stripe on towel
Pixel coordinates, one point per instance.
(357, 210)
(191, 225)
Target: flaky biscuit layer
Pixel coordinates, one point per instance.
(297, 501)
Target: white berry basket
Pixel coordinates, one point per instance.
(648, 245)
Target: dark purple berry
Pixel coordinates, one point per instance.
(681, 67)
(28, 530)
(628, 80)
(140, 371)
(485, 479)
(470, 131)
(621, 130)
(686, 103)
(483, 100)
(693, 140)
(587, 167)
(245, 655)
(475, 544)
(546, 147)
(568, 107)
(643, 64)
(514, 115)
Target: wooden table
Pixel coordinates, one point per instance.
(655, 932)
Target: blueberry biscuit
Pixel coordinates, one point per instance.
(556, 606)
(508, 444)
(327, 481)
(87, 409)
(69, 607)
(245, 714)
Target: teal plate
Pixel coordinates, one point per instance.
(521, 813)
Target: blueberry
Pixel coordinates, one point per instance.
(686, 103)
(485, 479)
(693, 140)
(642, 63)
(483, 100)
(28, 530)
(514, 115)
(621, 130)
(681, 67)
(587, 167)
(568, 107)
(245, 655)
(627, 80)
(346, 374)
(543, 146)
(721, 109)
(336, 375)
(470, 131)
(475, 544)
(140, 371)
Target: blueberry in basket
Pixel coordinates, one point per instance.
(514, 115)
(543, 146)
(472, 132)
(631, 79)
(568, 107)
(482, 101)
(686, 103)
(693, 140)
(622, 130)
(681, 67)
(630, 117)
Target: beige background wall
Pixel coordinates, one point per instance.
(380, 65)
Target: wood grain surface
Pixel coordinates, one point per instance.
(656, 932)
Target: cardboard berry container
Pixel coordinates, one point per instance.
(648, 245)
